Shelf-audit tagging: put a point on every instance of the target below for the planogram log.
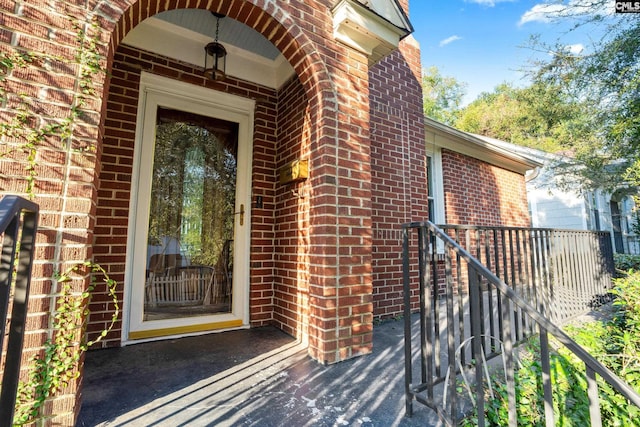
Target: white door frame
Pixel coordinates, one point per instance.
(158, 91)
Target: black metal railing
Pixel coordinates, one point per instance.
(18, 226)
(468, 314)
(565, 272)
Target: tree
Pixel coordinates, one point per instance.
(537, 116)
(492, 114)
(442, 95)
(607, 77)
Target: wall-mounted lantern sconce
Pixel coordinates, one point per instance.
(215, 56)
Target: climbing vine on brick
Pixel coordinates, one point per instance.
(24, 134)
(55, 370)
(29, 132)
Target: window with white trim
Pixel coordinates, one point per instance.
(435, 186)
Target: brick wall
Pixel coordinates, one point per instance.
(263, 219)
(341, 222)
(65, 167)
(291, 209)
(303, 33)
(398, 164)
(478, 193)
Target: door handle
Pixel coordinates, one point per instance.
(241, 213)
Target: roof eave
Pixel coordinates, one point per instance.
(445, 136)
(367, 31)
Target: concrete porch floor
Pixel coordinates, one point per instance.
(255, 377)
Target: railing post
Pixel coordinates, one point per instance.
(492, 319)
(507, 348)
(7, 260)
(476, 332)
(408, 372)
(451, 350)
(429, 294)
(11, 208)
(423, 252)
(546, 378)
(538, 263)
(594, 399)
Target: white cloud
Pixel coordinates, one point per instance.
(489, 3)
(550, 10)
(575, 49)
(541, 13)
(449, 40)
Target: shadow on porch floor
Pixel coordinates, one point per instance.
(256, 377)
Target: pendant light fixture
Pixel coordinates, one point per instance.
(215, 56)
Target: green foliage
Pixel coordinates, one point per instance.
(584, 105)
(605, 75)
(441, 95)
(614, 342)
(626, 262)
(538, 116)
(571, 403)
(56, 367)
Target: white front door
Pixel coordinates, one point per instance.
(188, 258)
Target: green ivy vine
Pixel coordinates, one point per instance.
(57, 364)
(31, 132)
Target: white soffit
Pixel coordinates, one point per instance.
(176, 42)
(373, 27)
(443, 136)
(389, 10)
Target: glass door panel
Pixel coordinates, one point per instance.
(189, 270)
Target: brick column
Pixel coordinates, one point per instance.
(340, 217)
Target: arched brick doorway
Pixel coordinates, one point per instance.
(300, 265)
(311, 242)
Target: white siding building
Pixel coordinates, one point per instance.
(554, 207)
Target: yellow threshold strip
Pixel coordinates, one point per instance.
(153, 333)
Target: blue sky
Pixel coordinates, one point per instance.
(483, 42)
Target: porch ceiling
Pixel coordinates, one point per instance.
(231, 31)
(181, 34)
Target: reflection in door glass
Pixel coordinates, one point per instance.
(190, 237)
